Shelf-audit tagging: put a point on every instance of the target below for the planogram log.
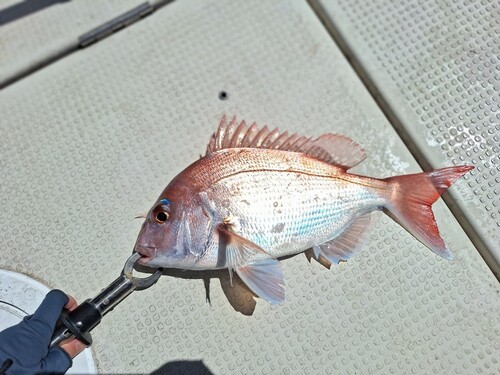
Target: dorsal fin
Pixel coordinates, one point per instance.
(331, 148)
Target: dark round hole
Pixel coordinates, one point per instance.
(161, 217)
(222, 95)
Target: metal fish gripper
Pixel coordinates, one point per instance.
(79, 322)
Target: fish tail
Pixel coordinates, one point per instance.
(411, 199)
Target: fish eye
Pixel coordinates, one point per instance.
(161, 212)
(162, 216)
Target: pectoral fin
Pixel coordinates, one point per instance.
(260, 271)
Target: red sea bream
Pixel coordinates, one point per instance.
(260, 195)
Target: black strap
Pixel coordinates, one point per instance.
(5, 366)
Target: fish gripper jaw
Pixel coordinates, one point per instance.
(79, 322)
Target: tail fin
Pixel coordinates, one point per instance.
(411, 201)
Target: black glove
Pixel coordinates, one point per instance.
(24, 348)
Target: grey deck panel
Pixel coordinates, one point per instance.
(436, 65)
(90, 141)
(34, 32)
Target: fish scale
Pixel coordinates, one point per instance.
(304, 203)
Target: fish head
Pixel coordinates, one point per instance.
(174, 234)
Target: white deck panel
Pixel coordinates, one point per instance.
(90, 141)
(436, 65)
(34, 32)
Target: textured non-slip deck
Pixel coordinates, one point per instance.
(435, 65)
(35, 32)
(91, 140)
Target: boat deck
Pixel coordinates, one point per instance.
(92, 128)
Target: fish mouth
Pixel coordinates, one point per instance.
(147, 252)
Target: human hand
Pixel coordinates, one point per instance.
(26, 345)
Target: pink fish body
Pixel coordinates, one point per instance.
(260, 195)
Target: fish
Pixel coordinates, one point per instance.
(259, 195)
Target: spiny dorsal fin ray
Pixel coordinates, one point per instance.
(331, 148)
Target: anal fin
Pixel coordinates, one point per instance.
(349, 243)
(316, 255)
